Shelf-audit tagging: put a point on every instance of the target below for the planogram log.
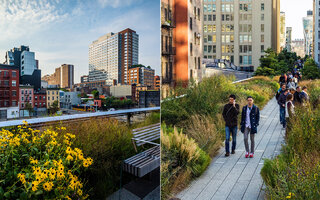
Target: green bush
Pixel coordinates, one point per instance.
(179, 154)
(310, 70)
(295, 172)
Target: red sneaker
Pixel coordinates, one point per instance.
(251, 155)
(247, 155)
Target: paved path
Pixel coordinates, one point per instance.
(237, 177)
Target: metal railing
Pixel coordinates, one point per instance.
(45, 120)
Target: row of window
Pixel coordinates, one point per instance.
(7, 83)
(230, 49)
(6, 73)
(243, 7)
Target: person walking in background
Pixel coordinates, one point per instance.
(230, 116)
(282, 79)
(291, 84)
(297, 100)
(250, 118)
(289, 108)
(304, 95)
(282, 104)
(280, 91)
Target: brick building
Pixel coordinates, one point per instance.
(26, 95)
(9, 86)
(156, 83)
(141, 75)
(40, 99)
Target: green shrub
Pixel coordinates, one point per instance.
(179, 154)
(295, 172)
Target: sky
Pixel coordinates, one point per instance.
(60, 32)
(295, 10)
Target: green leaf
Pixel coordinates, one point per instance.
(39, 192)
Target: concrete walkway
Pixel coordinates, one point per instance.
(237, 177)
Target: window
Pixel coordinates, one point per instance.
(14, 103)
(191, 49)
(262, 38)
(14, 74)
(262, 17)
(14, 83)
(262, 48)
(22, 98)
(191, 23)
(14, 93)
(48, 98)
(262, 7)
(204, 17)
(52, 98)
(262, 27)
(22, 91)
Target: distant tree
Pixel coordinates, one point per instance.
(29, 108)
(54, 107)
(95, 94)
(83, 95)
(310, 70)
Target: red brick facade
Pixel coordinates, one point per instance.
(9, 86)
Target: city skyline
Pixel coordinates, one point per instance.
(295, 11)
(61, 33)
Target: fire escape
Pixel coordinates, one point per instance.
(5, 90)
(167, 49)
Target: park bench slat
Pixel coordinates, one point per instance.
(146, 161)
(155, 130)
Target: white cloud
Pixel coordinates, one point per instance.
(23, 17)
(117, 3)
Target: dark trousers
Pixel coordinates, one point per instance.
(282, 115)
(229, 131)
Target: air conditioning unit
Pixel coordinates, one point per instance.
(198, 35)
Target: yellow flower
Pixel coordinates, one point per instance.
(85, 164)
(22, 178)
(69, 158)
(33, 161)
(48, 186)
(25, 122)
(315, 176)
(60, 175)
(35, 185)
(68, 198)
(36, 170)
(52, 174)
(79, 192)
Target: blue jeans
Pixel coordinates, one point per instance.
(282, 115)
(230, 130)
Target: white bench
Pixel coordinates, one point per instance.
(144, 162)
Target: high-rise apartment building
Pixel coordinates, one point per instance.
(141, 75)
(63, 76)
(282, 30)
(111, 55)
(308, 32)
(9, 86)
(22, 57)
(289, 39)
(240, 30)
